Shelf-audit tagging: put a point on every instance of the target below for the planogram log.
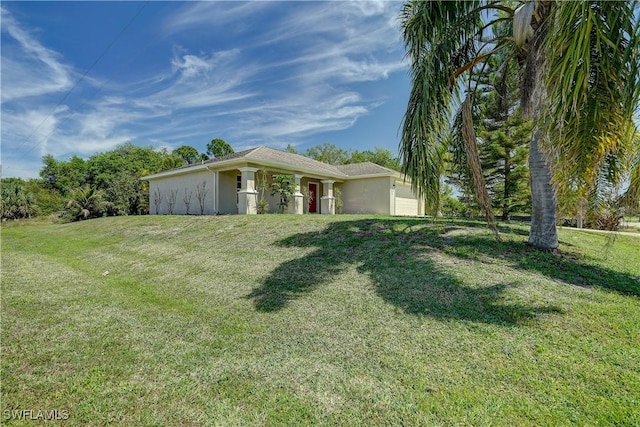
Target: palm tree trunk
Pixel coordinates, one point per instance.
(543, 233)
(582, 207)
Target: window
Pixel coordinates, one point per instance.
(238, 188)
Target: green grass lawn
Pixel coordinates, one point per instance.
(317, 320)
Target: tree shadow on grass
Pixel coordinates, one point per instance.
(406, 261)
(565, 266)
(513, 227)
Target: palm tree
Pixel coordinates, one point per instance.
(15, 201)
(580, 84)
(87, 202)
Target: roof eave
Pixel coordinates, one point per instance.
(174, 172)
(243, 161)
(299, 170)
(390, 174)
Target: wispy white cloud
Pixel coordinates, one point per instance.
(214, 14)
(191, 66)
(328, 46)
(345, 70)
(29, 135)
(287, 124)
(356, 27)
(20, 128)
(205, 80)
(38, 70)
(297, 70)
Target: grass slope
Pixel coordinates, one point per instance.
(301, 320)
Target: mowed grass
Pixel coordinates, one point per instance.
(317, 320)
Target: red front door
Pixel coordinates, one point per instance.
(313, 197)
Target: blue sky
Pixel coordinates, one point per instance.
(172, 73)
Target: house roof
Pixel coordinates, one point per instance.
(290, 161)
(266, 154)
(366, 168)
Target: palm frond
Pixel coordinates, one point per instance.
(439, 39)
(473, 158)
(522, 29)
(593, 89)
(631, 197)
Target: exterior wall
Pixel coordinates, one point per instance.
(368, 195)
(337, 189)
(406, 202)
(227, 192)
(406, 206)
(175, 187)
(274, 201)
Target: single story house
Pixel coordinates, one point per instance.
(231, 185)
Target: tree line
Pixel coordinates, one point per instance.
(105, 184)
(333, 155)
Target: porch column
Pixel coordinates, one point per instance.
(296, 206)
(247, 195)
(392, 197)
(327, 201)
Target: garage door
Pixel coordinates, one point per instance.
(405, 206)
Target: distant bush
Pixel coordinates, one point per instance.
(87, 202)
(15, 201)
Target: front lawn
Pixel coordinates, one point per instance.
(316, 320)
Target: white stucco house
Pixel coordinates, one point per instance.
(228, 185)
